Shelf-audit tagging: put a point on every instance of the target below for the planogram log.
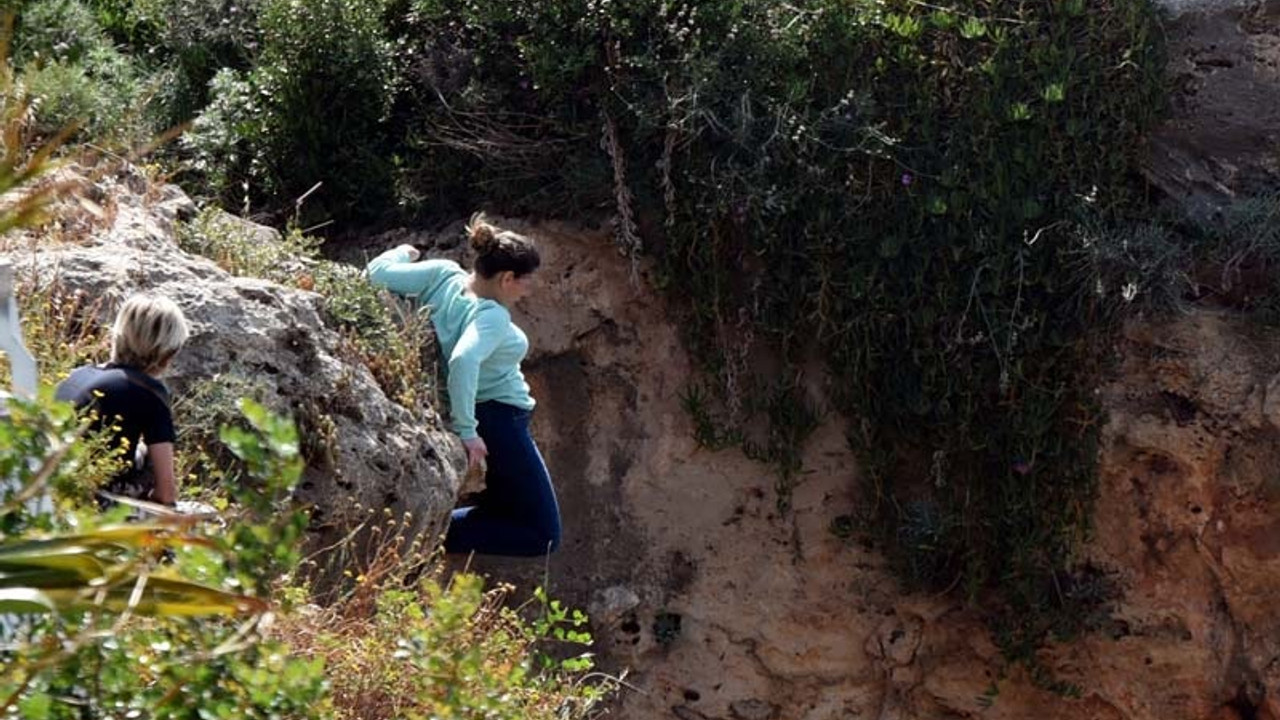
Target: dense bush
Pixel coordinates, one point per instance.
(132, 69)
(57, 30)
(185, 42)
(76, 75)
(311, 110)
(218, 156)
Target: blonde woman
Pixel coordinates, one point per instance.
(489, 399)
(129, 401)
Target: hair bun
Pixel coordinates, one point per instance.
(483, 236)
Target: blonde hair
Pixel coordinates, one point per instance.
(148, 331)
(501, 250)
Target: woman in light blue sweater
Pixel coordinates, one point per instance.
(488, 396)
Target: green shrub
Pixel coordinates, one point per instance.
(103, 96)
(134, 24)
(70, 66)
(1141, 266)
(218, 150)
(396, 647)
(57, 30)
(242, 248)
(206, 468)
(198, 41)
(1161, 263)
(320, 92)
(395, 341)
(116, 632)
(131, 69)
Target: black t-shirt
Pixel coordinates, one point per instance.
(130, 402)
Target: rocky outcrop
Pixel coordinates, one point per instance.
(1189, 517)
(1221, 140)
(368, 451)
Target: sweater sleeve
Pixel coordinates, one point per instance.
(394, 271)
(159, 425)
(478, 341)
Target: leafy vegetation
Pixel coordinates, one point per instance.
(402, 641)
(176, 617)
(110, 631)
(68, 64)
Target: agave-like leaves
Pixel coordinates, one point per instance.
(24, 600)
(160, 596)
(107, 568)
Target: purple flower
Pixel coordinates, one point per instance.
(1022, 467)
(907, 179)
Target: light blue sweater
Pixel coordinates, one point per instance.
(483, 347)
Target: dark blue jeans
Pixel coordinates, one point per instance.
(518, 513)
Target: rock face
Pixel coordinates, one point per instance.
(1177, 8)
(1189, 516)
(1222, 140)
(376, 454)
(722, 608)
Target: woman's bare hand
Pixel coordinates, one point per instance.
(414, 253)
(476, 452)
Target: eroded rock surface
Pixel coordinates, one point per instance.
(1221, 141)
(1188, 517)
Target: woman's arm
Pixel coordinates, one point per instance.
(478, 341)
(161, 457)
(397, 271)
